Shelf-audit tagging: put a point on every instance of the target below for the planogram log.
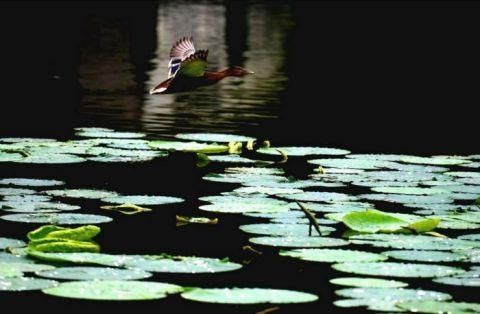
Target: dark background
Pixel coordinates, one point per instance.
(374, 76)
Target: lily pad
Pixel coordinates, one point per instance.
(57, 218)
(298, 241)
(10, 157)
(142, 199)
(463, 174)
(15, 191)
(11, 243)
(409, 190)
(30, 182)
(333, 256)
(367, 164)
(247, 296)
(389, 269)
(52, 159)
(408, 199)
(231, 159)
(114, 290)
(82, 258)
(36, 207)
(214, 137)
(94, 273)
(109, 134)
(266, 190)
(189, 147)
(425, 256)
(430, 306)
(82, 193)
(255, 170)
(392, 295)
(399, 176)
(320, 197)
(440, 161)
(368, 282)
(459, 281)
(303, 151)
(25, 283)
(239, 207)
(26, 267)
(283, 229)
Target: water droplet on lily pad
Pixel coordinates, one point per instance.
(113, 290)
(57, 218)
(94, 273)
(247, 296)
(368, 282)
(390, 269)
(333, 256)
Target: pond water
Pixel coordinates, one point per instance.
(96, 72)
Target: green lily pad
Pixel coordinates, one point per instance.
(368, 282)
(94, 273)
(283, 229)
(26, 267)
(287, 184)
(181, 264)
(470, 237)
(463, 174)
(299, 242)
(26, 198)
(389, 269)
(303, 151)
(57, 218)
(255, 170)
(120, 159)
(409, 190)
(36, 207)
(400, 176)
(463, 188)
(13, 258)
(257, 199)
(225, 207)
(474, 181)
(408, 199)
(441, 161)
(109, 134)
(7, 271)
(93, 129)
(247, 296)
(430, 306)
(82, 193)
(333, 256)
(25, 283)
(15, 191)
(52, 159)
(30, 182)
(447, 223)
(113, 290)
(341, 207)
(459, 281)
(142, 199)
(242, 177)
(214, 137)
(319, 197)
(11, 243)
(383, 184)
(29, 140)
(425, 256)
(392, 295)
(231, 159)
(10, 157)
(82, 258)
(293, 214)
(266, 190)
(189, 147)
(413, 242)
(367, 164)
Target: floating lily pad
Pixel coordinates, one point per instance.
(113, 290)
(189, 147)
(36, 207)
(440, 161)
(384, 184)
(368, 164)
(242, 177)
(293, 214)
(255, 170)
(416, 168)
(231, 159)
(30, 182)
(7, 271)
(266, 190)
(257, 199)
(368, 282)
(214, 137)
(15, 191)
(11, 243)
(120, 159)
(392, 294)
(283, 229)
(57, 218)
(14, 258)
(248, 296)
(298, 220)
(26, 198)
(26, 267)
(459, 281)
(10, 157)
(82, 193)
(341, 207)
(225, 207)
(303, 151)
(409, 190)
(429, 306)
(462, 188)
(26, 140)
(408, 199)
(82, 258)
(142, 199)
(333, 256)
(298, 241)
(181, 264)
(413, 242)
(474, 181)
(425, 256)
(94, 273)
(447, 223)
(320, 197)
(52, 159)
(25, 283)
(389, 269)
(400, 176)
(109, 134)
(463, 174)
(471, 237)
(287, 184)
(93, 129)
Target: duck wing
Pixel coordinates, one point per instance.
(180, 51)
(194, 65)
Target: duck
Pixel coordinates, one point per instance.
(187, 70)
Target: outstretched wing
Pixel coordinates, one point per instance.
(180, 51)
(194, 65)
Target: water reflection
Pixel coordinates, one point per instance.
(116, 81)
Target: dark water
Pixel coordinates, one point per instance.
(378, 77)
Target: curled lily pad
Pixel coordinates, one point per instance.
(189, 147)
(25, 283)
(142, 199)
(82, 193)
(409, 190)
(214, 137)
(30, 182)
(441, 161)
(184, 220)
(181, 264)
(351, 163)
(57, 218)
(11, 243)
(320, 197)
(425, 256)
(127, 208)
(303, 151)
(368, 282)
(389, 269)
(413, 242)
(283, 229)
(333, 256)
(430, 306)
(94, 273)
(247, 296)
(113, 290)
(298, 241)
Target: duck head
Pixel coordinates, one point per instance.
(238, 71)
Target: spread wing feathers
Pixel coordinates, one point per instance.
(180, 51)
(194, 65)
